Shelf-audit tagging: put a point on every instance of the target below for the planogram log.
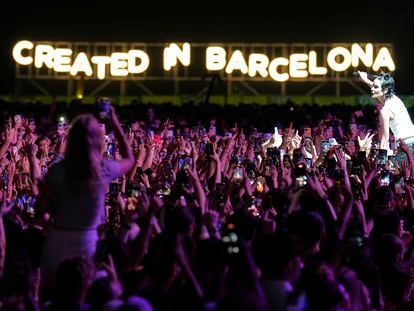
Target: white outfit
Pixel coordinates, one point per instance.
(74, 231)
(400, 121)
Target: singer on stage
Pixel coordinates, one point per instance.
(393, 113)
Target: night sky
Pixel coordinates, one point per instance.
(211, 21)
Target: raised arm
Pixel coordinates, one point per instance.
(198, 188)
(125, 150)
(363, 76)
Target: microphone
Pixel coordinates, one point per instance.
(369, 76)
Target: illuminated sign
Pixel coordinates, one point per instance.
(247, 61)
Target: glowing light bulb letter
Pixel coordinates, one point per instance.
(44, 54)
(339, 52)
(237, 62)
(273, 66)
(17, 52)
(258, 63)
(215, 58)
(384, 59)
(81, 63)
(365, 56)
(172, 53)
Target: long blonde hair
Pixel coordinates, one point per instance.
(83, 158)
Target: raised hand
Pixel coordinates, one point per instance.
(296, 140)
(340, 156)
(32, 147)
(11, 135)
(366, 142)
(130, 137)
(315, 184)
(405, 168)
(362, 75)
(404, 147)
(274, 141)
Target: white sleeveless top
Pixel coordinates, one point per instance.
(400, 124)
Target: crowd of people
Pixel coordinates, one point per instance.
(200, 207)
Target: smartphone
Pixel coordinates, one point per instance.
(384, 178)
(362, 157)
(151, 134)
(382, 157)
(185, 163)
(274, 155)
(356, 186)
(287, 163)
(297, 156)
(111, 149)
(238, 174)
(308, 142)
(260, 181)
(350, 163)
(267, 167)
(188, 163)
(399, 186)
(113, 188)
(392, 160)
(300, 169)
(374, 154)
(104, 105)
(251, 169)
(325, 145)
